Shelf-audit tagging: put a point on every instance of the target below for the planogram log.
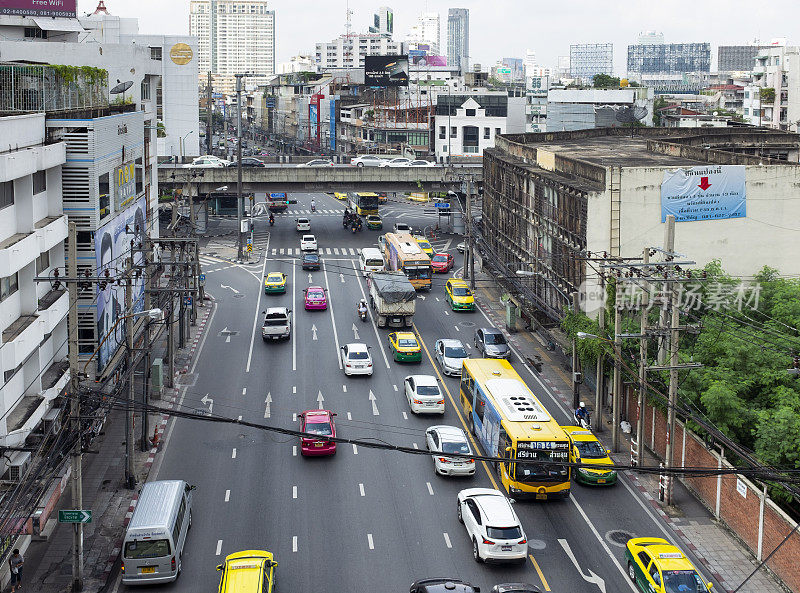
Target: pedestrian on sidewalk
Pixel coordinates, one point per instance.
(16, 561)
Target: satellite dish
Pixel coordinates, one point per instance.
(630, 115)
(121, 87)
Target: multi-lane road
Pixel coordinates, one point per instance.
(365, 519)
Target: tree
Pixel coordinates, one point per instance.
(658, 104)
(767, 95)
(604, 81)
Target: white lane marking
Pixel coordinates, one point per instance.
(281, 251)
(447, 540)
(361, 489)
(335, 251)
(446, 312)
(294, 543)
(268, 402)
(240, 418)
(255, 317)
(374, 405)
(415, 445)
(244, 390)
(320, 399)
(355, 449)
(349, 416)
(430, 488)
(437, 299)
(395, 387)
(294, 388)
(370, 542)
(294, 302)
(233, 454)
(219, 546)
(294, 491)
(227, 496)
(344, 388)
(333, 319)
(294, 417)
(458, 330)
(405, 416)
(374, 326)
(294, 450)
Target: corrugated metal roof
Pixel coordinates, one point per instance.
(156, 504)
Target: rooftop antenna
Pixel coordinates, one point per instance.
(348, 25)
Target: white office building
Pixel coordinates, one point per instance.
(383, 22)
(426, 32)
(33, 315)
(773, 99)
(458, 38)
(348, 51)
(234, 37)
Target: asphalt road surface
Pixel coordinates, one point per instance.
(365, 519)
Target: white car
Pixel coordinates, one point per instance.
(207, 162)
(492, 525)
(308, 243)
(396, 162)
(423, 394)
(367, 160)
(401, 227)
(461, 247)
(441, 440)
(317, 163)
(451, 355)
(421, 163)
(356, 359)
(303, 224)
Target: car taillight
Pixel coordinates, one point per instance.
(441, 401)
(444, 460)
(487, 541)
(347, 364)
(416, 401)
(522, 541)
(172, 564)
(122, 567)
(471, 461)
(369, 365)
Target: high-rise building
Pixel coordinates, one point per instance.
(588, 59)
(348, 51)
(426, 31)
(774, 100)
(736, 58)
(650, 38)
(234, 36)
(458, 38)
(669, 58)
(383, 22)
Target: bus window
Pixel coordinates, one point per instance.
(480, 404)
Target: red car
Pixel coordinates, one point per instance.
(315, 298)
(318, 422)
(442, 262)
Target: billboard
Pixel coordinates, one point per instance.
(386, 70)
(332, 124)
(60, 8)
(420, 58)
(704, 193)
(124, 185)
(112, 247)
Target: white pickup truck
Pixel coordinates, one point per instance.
(277, 324)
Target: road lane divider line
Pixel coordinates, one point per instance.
(255, 317)
(539, 570)
(447, 540)
(294, 318)
(355, 449)
(349, 416)
(344, 388)
(395, 387)
(430, 488)
(361, 489)
(227, 496)
(415, 445)
(294, 543)
(219, 547)
(370, 542)
(233, 453)
(294, 491)
(333, 318)
(372, 319)
(405, 416)
(457, 408)
(294, 388)
(294, 450)
(244, 390)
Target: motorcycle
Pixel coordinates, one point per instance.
(271, 222)
(584, 423)
(313, 208)
(363, 314)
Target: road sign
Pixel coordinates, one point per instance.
(442, 204)
(75, 516)
(187, 301)
(249, 247)
(202, 277)
(278, 195)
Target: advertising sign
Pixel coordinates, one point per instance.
(112, 250)
(181, 54)
(704, 193)
(124, 185)
(386, 71)
(58, 8)
(332, 124)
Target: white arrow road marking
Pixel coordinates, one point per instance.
(341, 277)
(355, 332)
(314, 331)
(207, 401)
(309, 277)
(225, 332)
(421, 297)
(374, 405)
(268, 401)
(229, 288)
(320, 399)
(592, 577)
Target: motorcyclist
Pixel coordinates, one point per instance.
(362, 308)
(582, 414)
(313, 205)
(271, 218)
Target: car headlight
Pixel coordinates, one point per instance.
(584, 471)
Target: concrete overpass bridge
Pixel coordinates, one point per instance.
(291, 178)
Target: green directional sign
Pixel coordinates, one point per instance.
(75, 516)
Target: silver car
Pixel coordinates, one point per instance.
(451, 355)
(441, 440)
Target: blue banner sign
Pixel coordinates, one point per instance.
(704, 193)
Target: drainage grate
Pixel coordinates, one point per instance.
(618, 537)
(466, 324)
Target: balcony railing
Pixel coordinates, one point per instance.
(27, 87)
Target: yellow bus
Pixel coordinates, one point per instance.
(363, 202)
(403, 253)
(509, 421)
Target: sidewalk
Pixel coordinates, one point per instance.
(48, 564)
(717, 548)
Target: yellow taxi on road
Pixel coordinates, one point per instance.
(424, 244)
(340, 195)
(405, 347)
(249, 571)
(275, 282)
(656, 565)
(586, 449)
(458, 295)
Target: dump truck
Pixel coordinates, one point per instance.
(392, 298)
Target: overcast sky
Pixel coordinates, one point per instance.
(506, 28)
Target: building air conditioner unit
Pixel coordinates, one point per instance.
(18, 465)
(51, 421)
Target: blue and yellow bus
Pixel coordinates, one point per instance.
(510, 422)
(363, 202)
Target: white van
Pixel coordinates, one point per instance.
(370, 260)
(156, 535)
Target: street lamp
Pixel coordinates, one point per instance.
(180, 144)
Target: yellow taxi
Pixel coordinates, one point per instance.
(275, 282)
(405, 347)
(340, 195)
(586, 449)
(249, 571)
(424, 244)
(458, 295)
(656, 565)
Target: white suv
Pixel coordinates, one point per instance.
(303, 224)
(308, 243)
(492, 525)
(356, 359)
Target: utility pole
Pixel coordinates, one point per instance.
(598, 388)
(75, 409)
(576, 388)
(209, 116)
(239, 206)
(616, 396)
(469, 261)
(674, 335)
(645, 304)
(130, 475)
(148, 279)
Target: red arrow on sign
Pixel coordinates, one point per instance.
(704, 184)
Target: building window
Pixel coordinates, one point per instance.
(39, 182)
(747, 111)
(145, 91)
(34, 33)
(486, 133)
(8, 286)
(6, 194)
(105, 200)
(497, 132)
(42, 262)
(470, 112)
(155, 53)
(442, 132)
(453, 131)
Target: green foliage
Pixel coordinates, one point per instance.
(767, 95)
(161, 131)
(88, 74)
(659, 103)
(604, 81)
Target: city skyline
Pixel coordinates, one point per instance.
(546, 33)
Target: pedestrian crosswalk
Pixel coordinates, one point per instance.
(341, 251)
(321, 211)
